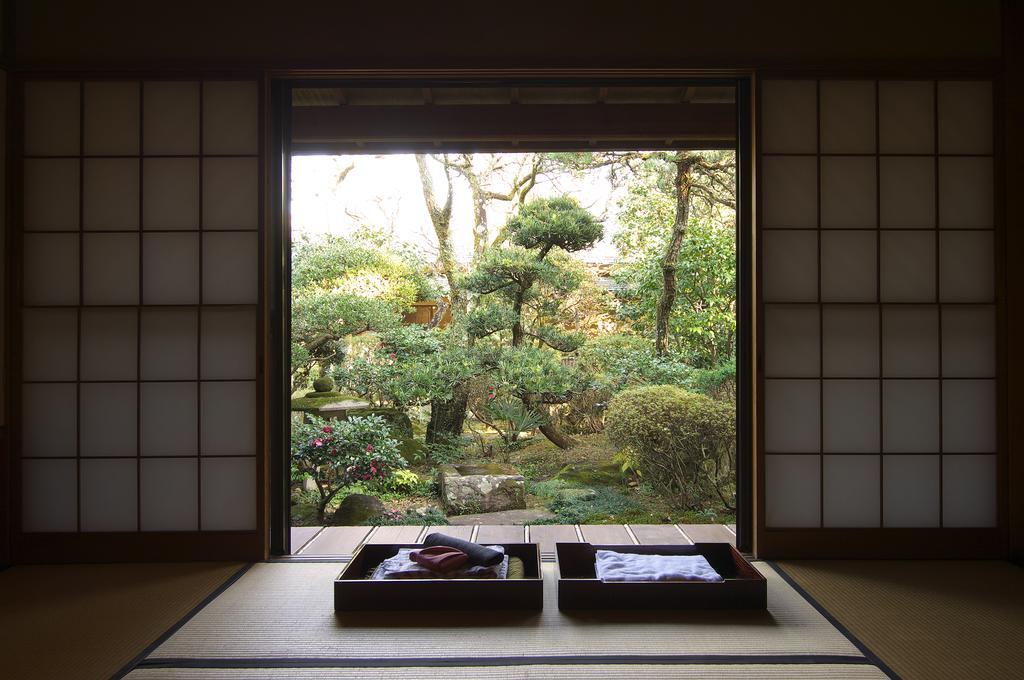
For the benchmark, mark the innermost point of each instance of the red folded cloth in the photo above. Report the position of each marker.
(440, 558)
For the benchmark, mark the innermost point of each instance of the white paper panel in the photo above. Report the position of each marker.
(48, 419)
(49, 344)
(110, 269)
(230, 268)
(228, 418)
(907, 187)
(230, 193)
(910, 341)
(51, 194)
(790, 261)
(852, 486)
(965, 117)
(230, 117)
(109, 345)
(848, 116)
(792, 416)
(169, 415)
(906, 111)
(966, 266)
(109, 418)
(966, 193)
(910, 416)
(111, 118)
(228, 349)
(969, 491)
(848, 192)
(52, 118)
(790, 191)
(792, 341)
(968, 416)
(171, 115)
(111, 194)
(170, 268)
(170, 494)
(908, 266)
(170, 344)
(228, 494)
(49, 495)
(792, 491)
(170, 198)
(109, 495)
(789, 116)
(910, 491)
(848, 266)
(968, 342)
(50, 269)
(851, 416)
(850, 341)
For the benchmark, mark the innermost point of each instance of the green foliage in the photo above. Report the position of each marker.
(511, 419)
(446, 449)
(403, 483)
(337, 453)
(431, 517)
(535, 373)
(560, 222)
(607, 504)
(342, 285)
(682, 443)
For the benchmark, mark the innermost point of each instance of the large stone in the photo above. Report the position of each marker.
(589, 474)
(481, 488)
(357, 508)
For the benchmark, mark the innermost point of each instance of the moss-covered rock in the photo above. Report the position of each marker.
(356, 509)
(589, 474)
(324, 384)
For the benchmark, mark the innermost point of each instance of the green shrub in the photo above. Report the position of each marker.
(682, 443)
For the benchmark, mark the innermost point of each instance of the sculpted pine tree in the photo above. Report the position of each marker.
(521, 285)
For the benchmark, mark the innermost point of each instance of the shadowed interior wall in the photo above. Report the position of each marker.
(140, 284)
(879, 284)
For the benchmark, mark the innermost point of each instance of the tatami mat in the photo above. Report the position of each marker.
(88, 621)
(539, 672)
(934, 619)
(285, 611)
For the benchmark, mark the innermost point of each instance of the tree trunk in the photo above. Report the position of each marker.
(447, 417)
(553, 433)
(670, 260)
(441, 217)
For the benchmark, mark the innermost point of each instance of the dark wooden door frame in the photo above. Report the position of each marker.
(278, 275)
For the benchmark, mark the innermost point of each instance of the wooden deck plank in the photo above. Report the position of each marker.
(606, 534)
(396, 534)
(336, 541)
(490, 533)
(546, 535)
(463, 532)
(708, 533)
(300, 536)
(658, 534)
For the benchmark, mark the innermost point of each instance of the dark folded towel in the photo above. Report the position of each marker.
(478, 554)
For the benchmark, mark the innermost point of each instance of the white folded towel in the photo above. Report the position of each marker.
(616, 566)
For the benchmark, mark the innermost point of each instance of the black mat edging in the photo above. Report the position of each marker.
(865, 650)
(130, 666)
(471, 661)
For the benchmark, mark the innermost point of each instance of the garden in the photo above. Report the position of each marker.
(529, 338)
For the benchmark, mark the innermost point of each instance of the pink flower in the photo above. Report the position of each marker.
(369, 448)
(328, 429)
(392, 355)
(318, 442)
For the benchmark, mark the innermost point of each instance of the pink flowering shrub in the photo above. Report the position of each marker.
(336, 453)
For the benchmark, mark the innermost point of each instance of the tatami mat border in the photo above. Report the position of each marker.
(130, 666)
(871, 656)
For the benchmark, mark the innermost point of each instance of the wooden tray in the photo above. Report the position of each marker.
(579, 588)
(353, 592)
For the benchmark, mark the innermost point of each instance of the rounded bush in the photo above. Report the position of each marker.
(682, 443)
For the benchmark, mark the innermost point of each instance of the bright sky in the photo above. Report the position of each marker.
(384, 191)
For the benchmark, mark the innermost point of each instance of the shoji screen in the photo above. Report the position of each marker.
(140, 261)
(879, 315)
